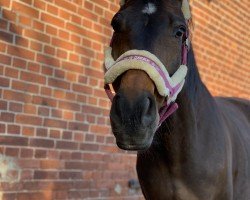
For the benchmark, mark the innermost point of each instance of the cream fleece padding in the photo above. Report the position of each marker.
(186, 9)
(109, 60)
(116, 68)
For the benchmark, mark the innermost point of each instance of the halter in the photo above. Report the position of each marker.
(172, 86)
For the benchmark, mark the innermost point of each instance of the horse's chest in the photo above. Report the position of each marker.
(182, 192)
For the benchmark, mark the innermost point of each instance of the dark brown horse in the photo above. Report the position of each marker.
(200, 152)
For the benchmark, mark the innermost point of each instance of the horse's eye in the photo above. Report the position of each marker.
(180, 31)
(116, 22)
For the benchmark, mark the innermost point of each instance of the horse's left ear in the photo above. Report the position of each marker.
(186, 9)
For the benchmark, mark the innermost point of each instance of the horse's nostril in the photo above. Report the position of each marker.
(116, 102)
(148, 111)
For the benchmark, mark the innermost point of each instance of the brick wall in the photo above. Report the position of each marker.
(55, 140)
(221, 40)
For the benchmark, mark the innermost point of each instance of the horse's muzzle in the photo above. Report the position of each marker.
(134, 120)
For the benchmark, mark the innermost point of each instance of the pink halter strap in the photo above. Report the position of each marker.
(167, 109)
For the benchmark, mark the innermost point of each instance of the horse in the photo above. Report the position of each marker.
(202, 150)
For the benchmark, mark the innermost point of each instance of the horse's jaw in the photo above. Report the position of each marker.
(129, 140)
(134, 147)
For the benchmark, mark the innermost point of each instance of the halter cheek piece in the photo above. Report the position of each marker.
(168, 87)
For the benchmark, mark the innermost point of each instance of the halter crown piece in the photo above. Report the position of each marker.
(168, 87)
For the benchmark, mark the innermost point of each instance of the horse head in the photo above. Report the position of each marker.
(145, 66)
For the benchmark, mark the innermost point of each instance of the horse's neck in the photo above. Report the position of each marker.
(196, 105)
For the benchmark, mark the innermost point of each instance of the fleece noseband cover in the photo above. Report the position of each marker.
(143, 60)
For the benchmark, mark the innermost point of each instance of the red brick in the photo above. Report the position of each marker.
(42, 111)
(40, 153)
(11, 72)
(9, 15)
(62, 44)
(67, 135)
(50, 164)
(89, 138)
(33, 67)
(26, 175)
(76, 156)
(61, 53)
(37, 35)
(68, 115)
(78, 137)
(49, 50)
(45, 175)
(28, 131)
(83, 89)
(16, 96)
(8, 196)
(78, 126)
(32, 77)
(55, 123)
(30, 11)
(53, 154)
(13, 141)
(25, 87)
(66, 4)
(79, 194)
(14, 152)
(40, 4)
(89, 147)
(41, 132)
(19, 63)
(51, 30)
(4, 82)
(66, 145)
(3, 25)
(70, 175)
(47, 70)
(46, 91)
(25, 20)
(41, 143)
(3, 105)
(64, 35)
(52, 9)
(52, 20)
(65, 155)
(58, 83)
(72, 67)
(44, 101)
(26, 153)
(56, 113)
(48, 60)
(20, 41)
(7, 37)
(28, 119)
(7, 117)
(5, 59)
(13, 129)
(88, 5)
(21, 52)
(37, 46)
(69, 106)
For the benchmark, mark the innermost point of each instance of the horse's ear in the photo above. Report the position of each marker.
(186, 9)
